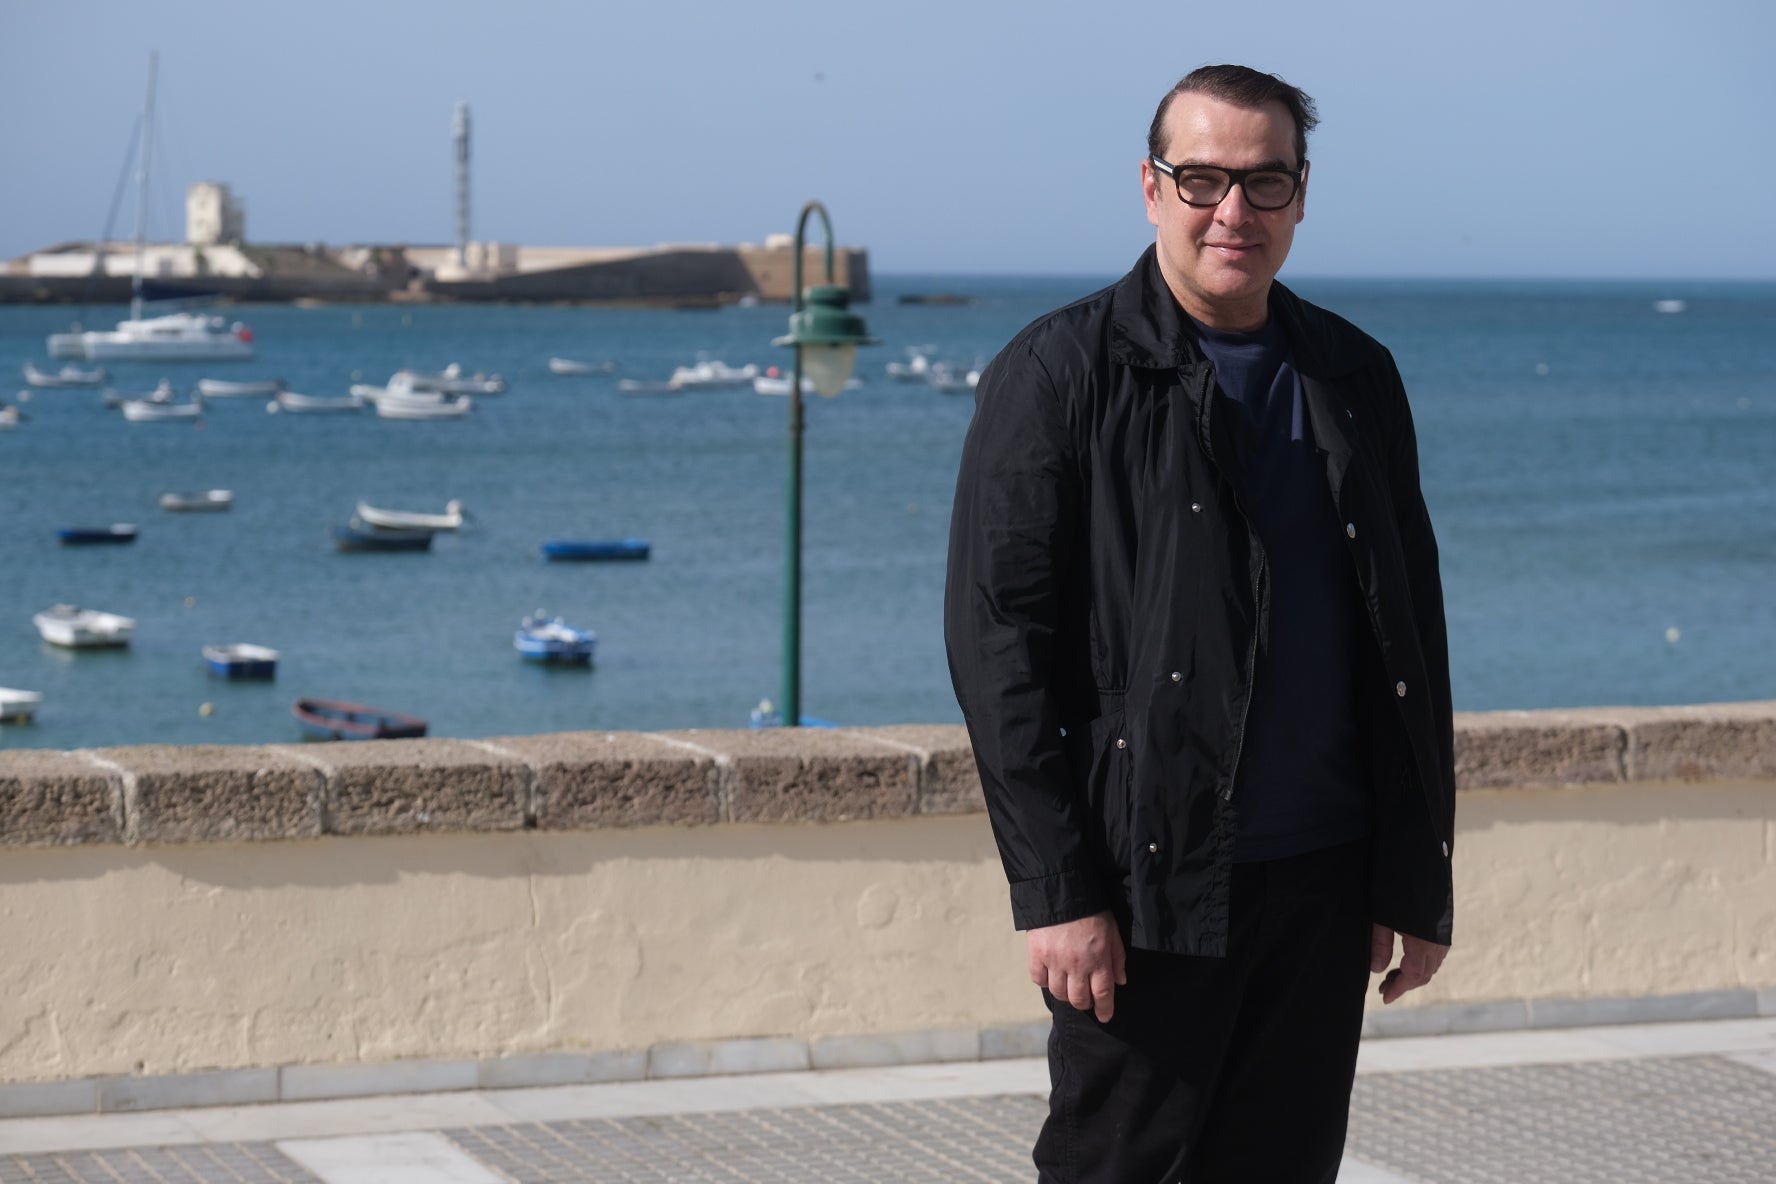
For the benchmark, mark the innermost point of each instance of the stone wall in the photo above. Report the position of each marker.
(234, 924)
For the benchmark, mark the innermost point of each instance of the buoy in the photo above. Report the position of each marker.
(191, 602)
(207, 709)
(1672, 635)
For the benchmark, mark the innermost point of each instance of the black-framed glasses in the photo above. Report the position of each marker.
(1207, 185)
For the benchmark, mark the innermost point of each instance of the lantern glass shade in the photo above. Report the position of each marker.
(828, 367)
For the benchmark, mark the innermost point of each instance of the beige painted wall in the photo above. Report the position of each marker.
(170, 959)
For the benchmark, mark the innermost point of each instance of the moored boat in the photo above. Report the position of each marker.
(450, 519)
(450, 381)
(219, 388)
(544, 638)
(9, 418)
(713, 375)
(17, 707)
(241, 661)
(397, 406)
(83, 628)
(570, 366)
(331, 719)
(66, 376)
(358, 535)
(592, 549)
(298, 404)
(80, 536)
(208, 501)
(174, 337)
(154, 411)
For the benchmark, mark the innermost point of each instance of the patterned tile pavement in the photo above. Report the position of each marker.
(1694, 1119)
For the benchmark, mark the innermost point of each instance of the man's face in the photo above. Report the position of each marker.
(1219, 262)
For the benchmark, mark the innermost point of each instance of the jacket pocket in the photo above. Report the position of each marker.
(1099, 754)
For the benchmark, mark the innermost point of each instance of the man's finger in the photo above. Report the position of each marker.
(1103, 991)
(1119, 963)
(1038, 967)
(1381, 948)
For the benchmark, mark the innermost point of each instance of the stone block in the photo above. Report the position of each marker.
(299, 1083)
(1732, 1004)
(224, 1087)
(1512, 749)
(212, 793)
(1014, 1040)
(896, 1048)
(1766, 1001)
(50, 798)
(714, 1058)
(561, 1068)
(1438, 1019)
(949, 783)
(40, 1099)
(1712, 741)
(808, 775)
(384, 787)
(586, 780)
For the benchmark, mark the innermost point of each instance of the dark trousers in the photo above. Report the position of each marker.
(1223, 1069)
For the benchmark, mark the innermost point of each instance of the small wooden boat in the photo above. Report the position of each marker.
(83, 628)
(241, 661)
(550, 639)
(153, 411)
(358, 535)
(450, 519)
(65, 377)
(163, 393)
(17, 707)
(396, 406)
(80, 536)
(296, 404)
(209, 501)
(330, 719)
(221, 388)
(713, 375)
(569, 366)
(591, 549)
(450, 381)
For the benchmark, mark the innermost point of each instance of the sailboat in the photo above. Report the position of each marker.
(173, 337)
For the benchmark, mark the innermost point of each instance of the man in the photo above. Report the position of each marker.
(1195, 624)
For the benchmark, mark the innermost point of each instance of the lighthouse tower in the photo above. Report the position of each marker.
(460, 133)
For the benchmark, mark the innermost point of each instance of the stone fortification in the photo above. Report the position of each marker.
(205, 924)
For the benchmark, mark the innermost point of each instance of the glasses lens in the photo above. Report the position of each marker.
(1270, 191)
(1202, 186)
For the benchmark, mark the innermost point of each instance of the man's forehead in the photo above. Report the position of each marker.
(1203, 119)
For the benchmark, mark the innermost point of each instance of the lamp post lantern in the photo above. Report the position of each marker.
(825, 334)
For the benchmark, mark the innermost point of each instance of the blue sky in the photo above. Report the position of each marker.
(1590, 138)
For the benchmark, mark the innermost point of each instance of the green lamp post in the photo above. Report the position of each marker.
(825, 334)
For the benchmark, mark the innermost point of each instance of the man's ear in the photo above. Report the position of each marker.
(1150, 189)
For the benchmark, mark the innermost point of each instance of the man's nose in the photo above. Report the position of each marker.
(1234, 210)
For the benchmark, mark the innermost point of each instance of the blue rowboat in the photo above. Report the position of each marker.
(550, 639)
(241, 661)
(585, 549)
(76, 536)
(356, 536)
(329, 719)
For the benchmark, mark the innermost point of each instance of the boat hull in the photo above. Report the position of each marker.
(212, 501)
(241, 661)
(121, 347)
(348, 538)
(331, 719)
(86, 536)
(17, 707)
(84, 629)
(594, 550)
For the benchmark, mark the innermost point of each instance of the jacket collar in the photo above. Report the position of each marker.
(1149, 330)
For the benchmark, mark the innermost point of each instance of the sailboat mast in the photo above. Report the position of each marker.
(142, 188)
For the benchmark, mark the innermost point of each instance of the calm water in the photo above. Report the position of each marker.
(1599, 473)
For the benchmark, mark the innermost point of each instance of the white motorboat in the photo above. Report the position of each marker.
(162, 393)
(17, 707)
(156, 411)
(208, 501)
(569, 366)
(710, 375)
(298, 404)
(179, 336)
(947, 380)
(83, 628)
(779, 384)
(917, 367)
(9, 418)
(635, 386)
(396, 406)
(449, 381)
(219, 388)
(450, 519)
(550, 639)
(66, 376)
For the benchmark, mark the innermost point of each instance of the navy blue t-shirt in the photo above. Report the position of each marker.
(1300, 786)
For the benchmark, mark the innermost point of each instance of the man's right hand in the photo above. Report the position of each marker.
(1080, 961)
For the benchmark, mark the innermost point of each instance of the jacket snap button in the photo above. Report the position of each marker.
(1196, 507)
(1400, 689)
(1153, 848)
(1350, 530)
(1445, 850)
(1177, 676)
(1121, 743)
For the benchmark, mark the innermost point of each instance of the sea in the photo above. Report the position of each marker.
(1602, 476)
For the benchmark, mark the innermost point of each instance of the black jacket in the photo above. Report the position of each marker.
(1105, 599)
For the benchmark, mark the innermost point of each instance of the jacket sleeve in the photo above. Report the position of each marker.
(1426, 589)
(1016, 531)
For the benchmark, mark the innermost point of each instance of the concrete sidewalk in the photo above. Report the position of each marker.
(1692, 1103)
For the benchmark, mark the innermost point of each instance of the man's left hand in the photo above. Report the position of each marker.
(1419, 960)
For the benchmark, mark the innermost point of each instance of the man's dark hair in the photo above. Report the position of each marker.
(1243, 87)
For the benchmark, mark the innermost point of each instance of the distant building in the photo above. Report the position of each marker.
(212, 215)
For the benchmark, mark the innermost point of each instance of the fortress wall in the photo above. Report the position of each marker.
(235, 924)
